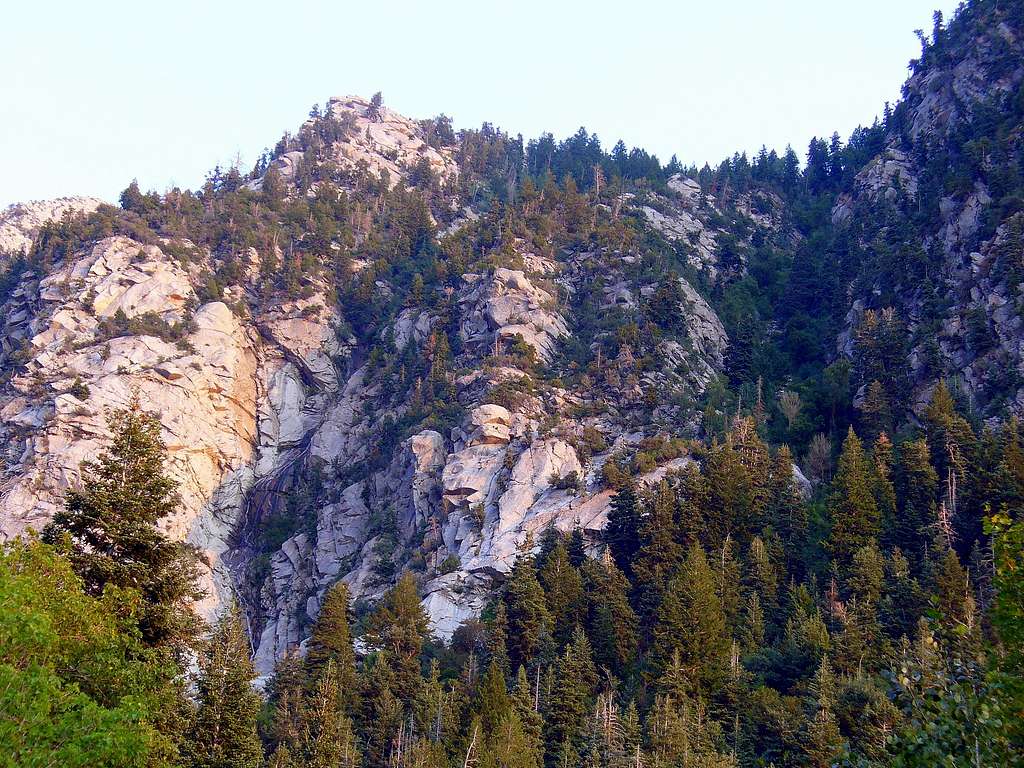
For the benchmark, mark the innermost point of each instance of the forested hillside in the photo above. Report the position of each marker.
(424, 447)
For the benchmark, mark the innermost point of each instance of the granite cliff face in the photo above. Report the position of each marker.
(207, 386)
(256, 397)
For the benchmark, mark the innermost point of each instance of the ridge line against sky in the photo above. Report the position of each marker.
(98, 94)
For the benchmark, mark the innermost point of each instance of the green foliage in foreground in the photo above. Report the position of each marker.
(77, 685)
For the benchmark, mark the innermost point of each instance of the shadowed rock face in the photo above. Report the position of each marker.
(968, 239)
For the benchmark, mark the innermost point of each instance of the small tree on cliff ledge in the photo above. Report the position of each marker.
(109, 527)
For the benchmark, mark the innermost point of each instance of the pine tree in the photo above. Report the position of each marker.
(508, 745)
(549, 538)
(876, 413)
(692, 506)
(416, 291)
(681, 733)
(523, 701)
(866, 576)
(692, 623)
(917, 488)
(731, 502)
(564, 589)
(380, 710)
(281, 757)
(660, 554)
(902, 599)
(728, 582)
(110, 526)
(753, 630)
(622, 533)
(528, 619)
(566, 712)
(611, 621)
(787, 510)
(954, 448)
(497, 638)
(762, 578)
(883, 489)
(756, 462)
(576, 546)
(861, 646)
(331, 641)
(852, 506)
(492, 699)
(613, 733)
(438, 710)
(223, 732)
(286, 701)
(330, 740)
(399, 628)
(824, 742)
(953, 595)
(1011, 470)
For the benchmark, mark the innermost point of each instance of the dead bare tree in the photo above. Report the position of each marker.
(790, 405)
(470, 756)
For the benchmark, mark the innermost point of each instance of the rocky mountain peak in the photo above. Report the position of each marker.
(354, 134)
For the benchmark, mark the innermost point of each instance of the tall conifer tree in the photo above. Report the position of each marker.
(110, 523)
(331, 641)
(223, 733)
(330, 741)
(622, 534)
(692, 624)
(529, 622)
(852, 505)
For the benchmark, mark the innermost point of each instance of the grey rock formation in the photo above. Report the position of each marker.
(262, 403)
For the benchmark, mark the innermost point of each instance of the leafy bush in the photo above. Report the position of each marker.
(73, 668)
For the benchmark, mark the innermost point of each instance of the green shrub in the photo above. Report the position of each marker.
(79, 389)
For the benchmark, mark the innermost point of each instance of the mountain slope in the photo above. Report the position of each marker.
(266, 395)
(395, 347)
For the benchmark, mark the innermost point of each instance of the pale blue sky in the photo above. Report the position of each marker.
(96, 93)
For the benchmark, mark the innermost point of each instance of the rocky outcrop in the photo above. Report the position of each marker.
(700, 356)
(681, 218)
(21, 222)
(942, 95)
(983, 338)
(376, 139)
(968, 329)
(506, 306)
